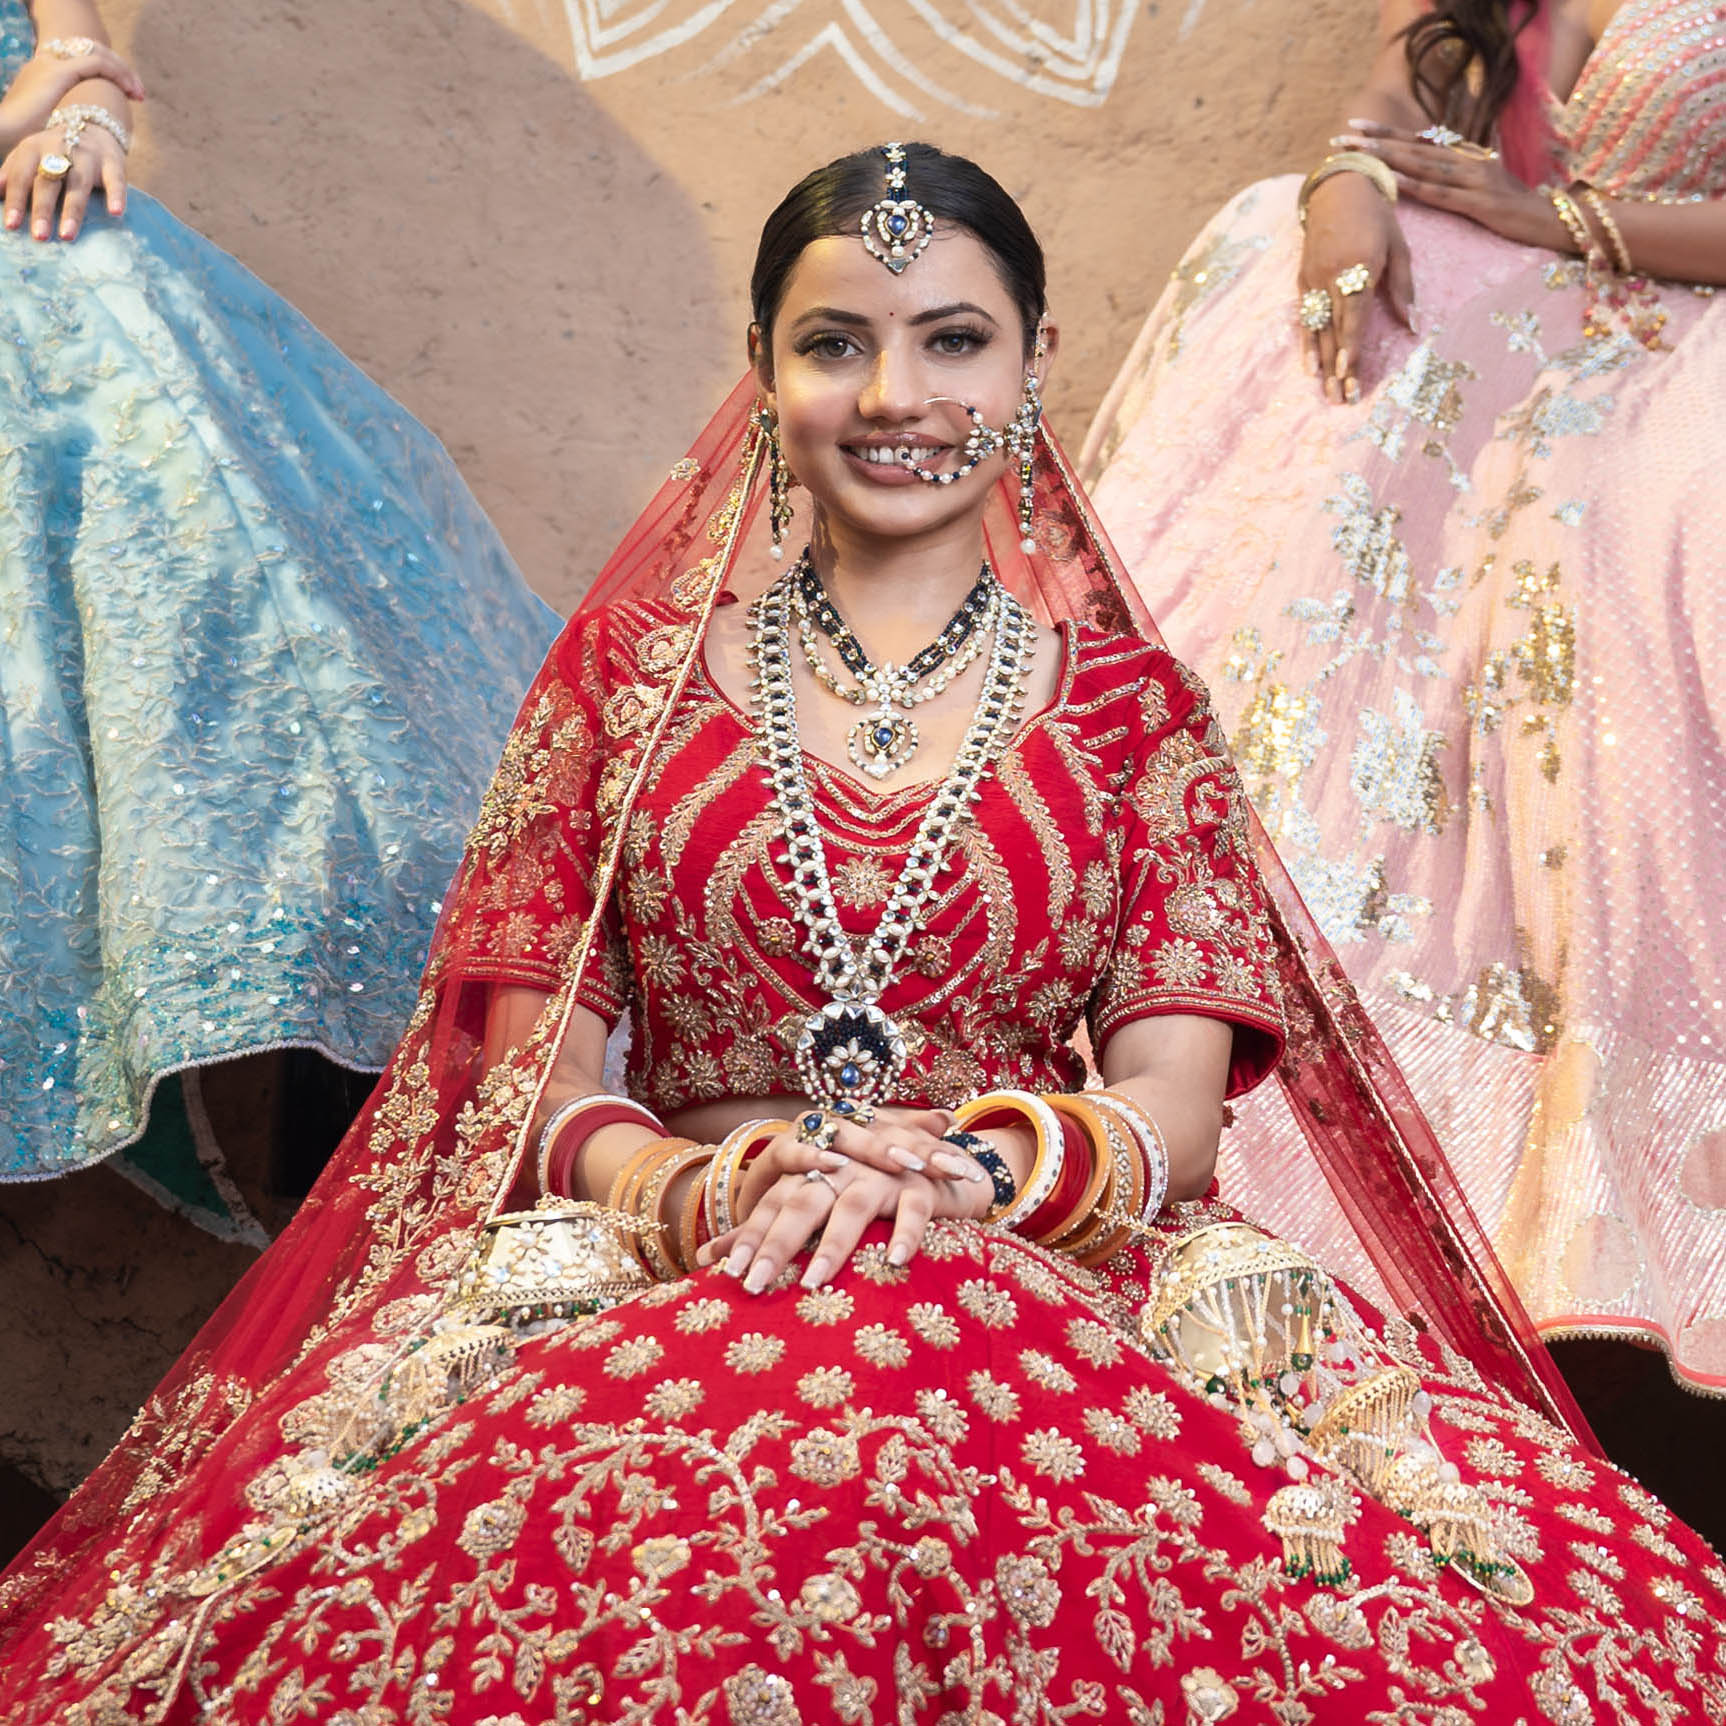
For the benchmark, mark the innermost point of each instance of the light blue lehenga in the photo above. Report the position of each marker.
(259, 648)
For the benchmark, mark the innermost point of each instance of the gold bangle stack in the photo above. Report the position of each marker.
(1347, 162)
(1572, 219)
(1609, 227)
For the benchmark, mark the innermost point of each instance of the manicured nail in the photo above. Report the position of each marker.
(1362, 125)
(898, 1254)
(832, 1159)
(14, 218)
(818, 1272)
(898, 1154)
(40, 230)
(1351, 390)
(1346, 141)
(68, 230)
(951, 1163)
(1343, 356)
(760, 1275)
(738, 1263)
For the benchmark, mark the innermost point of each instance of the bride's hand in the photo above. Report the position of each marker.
(1350, 226)
(794, 1190)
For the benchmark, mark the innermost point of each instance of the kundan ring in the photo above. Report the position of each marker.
(1314, 310)
(54, 166)
(818, 1128)
(1356, 279)
(1446, 139)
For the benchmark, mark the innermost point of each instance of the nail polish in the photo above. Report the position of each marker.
(738, 1263)
(905, 1160)
(898, 1254)
(760, 1275)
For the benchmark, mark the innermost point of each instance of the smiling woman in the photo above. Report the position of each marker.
(872, 1357)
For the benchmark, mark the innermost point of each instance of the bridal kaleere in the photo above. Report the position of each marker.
(859, 1342)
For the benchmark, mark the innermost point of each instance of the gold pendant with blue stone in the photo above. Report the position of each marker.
(882, 742)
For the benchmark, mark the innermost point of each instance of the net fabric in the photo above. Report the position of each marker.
(437, 1148)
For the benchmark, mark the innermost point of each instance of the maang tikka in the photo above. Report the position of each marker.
(897, 228)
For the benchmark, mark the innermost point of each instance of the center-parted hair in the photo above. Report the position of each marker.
(832, 200)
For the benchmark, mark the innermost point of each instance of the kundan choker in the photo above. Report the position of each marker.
(849, 1053)
(882, 742)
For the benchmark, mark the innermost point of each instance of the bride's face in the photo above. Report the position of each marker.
(858, 352)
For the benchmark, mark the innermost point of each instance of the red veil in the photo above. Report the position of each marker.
(371, 1254)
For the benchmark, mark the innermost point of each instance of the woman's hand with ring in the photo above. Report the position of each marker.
(1464, 179)
(868, 1173)
(1349, 225)
(97, 160)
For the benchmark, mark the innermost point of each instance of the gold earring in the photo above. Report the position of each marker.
(778, 481)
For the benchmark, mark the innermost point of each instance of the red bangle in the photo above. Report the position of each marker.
(560, 1157)
(1077, 1168)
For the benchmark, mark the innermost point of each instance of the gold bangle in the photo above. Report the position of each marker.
(1347, 162)
(657, 1235)
(725, 1177)
(1609, 226)
(1571, 217)
(1151, 1144)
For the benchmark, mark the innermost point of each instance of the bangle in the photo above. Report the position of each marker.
(1571, 217)
(691, 1228)
(1346, 162)
(1081, 1219)
(657, 1235)
(1609, 226)
(1139, 1121)
(559, 1147)
(725, 1177)
(1020, 1108)
(81, 114)
(69, 47)
(1000, 1176)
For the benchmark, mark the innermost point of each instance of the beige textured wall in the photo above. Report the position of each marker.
(532, 220)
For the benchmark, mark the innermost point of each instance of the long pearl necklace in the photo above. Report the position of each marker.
(884, 741)
(850, 1053)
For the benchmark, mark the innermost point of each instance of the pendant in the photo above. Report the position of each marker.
(882, 742)
(850, 1056)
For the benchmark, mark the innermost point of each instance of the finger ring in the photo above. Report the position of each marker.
(1356, 279)
(1313, 311)
(1442, 136)
(54, 166)
(818, 1128)
(820, 1175)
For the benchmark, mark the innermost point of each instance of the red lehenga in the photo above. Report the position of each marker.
(966, 1490)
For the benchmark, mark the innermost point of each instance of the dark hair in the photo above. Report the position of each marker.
(1462, 62)
(832, 201)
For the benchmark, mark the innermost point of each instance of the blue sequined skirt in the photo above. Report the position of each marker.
(259, 649)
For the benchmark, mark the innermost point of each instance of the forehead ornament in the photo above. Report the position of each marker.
(897, 228)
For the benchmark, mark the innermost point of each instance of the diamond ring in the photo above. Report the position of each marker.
(1356, 279)
(1313, 310)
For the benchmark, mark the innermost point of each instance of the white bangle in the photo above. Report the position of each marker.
(81, 114)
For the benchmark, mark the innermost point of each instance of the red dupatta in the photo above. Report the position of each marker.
(372, 1253)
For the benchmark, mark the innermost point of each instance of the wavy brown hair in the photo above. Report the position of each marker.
(1462, 62)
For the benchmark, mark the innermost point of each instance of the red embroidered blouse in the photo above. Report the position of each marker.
(1106, 876)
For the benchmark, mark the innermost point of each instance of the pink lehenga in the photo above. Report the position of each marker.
(1466, 639)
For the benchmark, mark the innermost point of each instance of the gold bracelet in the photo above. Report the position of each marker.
(1571, 217)
(1614, 235)
(1347, 162)
(657, 1235)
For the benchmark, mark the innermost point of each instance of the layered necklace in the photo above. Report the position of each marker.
(884, 741)
(849, 1053)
